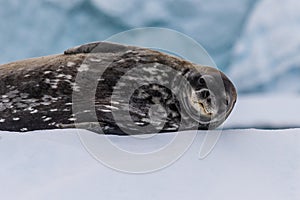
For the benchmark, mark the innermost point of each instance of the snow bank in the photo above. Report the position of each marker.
(245, 164)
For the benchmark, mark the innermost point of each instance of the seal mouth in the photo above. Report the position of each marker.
(203, 108)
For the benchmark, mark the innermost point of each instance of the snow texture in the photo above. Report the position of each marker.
(245, 164)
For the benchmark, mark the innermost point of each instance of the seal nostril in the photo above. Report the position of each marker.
(204, 94)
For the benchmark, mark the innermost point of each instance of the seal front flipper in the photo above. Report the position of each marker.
(94, 127)
(98, 47)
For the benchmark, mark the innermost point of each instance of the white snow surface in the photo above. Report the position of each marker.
(245, 163)
(267, 111)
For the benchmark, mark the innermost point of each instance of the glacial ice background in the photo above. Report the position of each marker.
(255, 42)
(42, 27)
(266, 57)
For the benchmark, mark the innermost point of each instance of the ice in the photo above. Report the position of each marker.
(255, 42)
(266, 58)
(212, 23)
(43, 27)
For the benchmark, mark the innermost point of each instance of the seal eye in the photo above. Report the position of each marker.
(201, 81)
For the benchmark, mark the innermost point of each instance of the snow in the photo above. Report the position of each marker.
(244, 164)
(265, 111)
(266, 57)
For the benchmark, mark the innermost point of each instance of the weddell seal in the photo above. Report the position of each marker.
(116, 88)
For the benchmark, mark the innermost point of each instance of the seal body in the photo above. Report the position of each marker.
(114, 89)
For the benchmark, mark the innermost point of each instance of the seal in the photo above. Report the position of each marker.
(137, 91)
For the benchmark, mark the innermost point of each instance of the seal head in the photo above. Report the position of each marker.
(210, 98)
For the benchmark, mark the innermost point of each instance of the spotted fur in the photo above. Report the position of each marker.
(37, 93)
